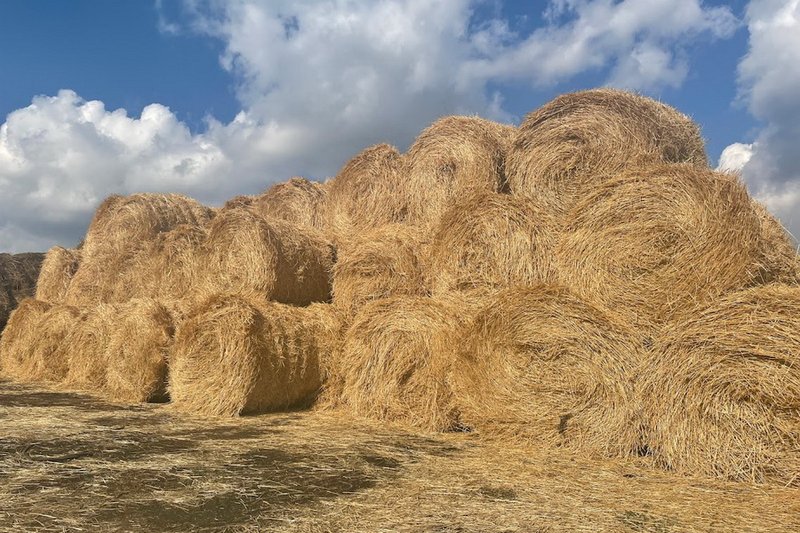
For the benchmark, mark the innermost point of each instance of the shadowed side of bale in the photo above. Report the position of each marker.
(654, 242)
(721, 392)
(384, 262)
(236, 356)
(297, 201)
(121, 223)
(394, 362)
(18, 334)
(87, 346)
(137, 350)
(246, 252)
(451, 157)
(58, 268)
(491, 240)
(583, 138)
(18, 273)
(366, 193)
(542, 366)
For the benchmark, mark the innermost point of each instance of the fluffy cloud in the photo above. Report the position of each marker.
(317, 82)
(769, 77)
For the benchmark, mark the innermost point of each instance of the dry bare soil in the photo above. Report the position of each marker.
(70, 462)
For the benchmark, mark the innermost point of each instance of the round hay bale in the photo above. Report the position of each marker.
(46, 354)
(137, 350)
(123, 223)
(87, 348)
(394, 361)
(246, 252)
(655, 242)
(383, 262)
(58, 268)
(366, 193)
(721, 392)
(581, 139)
(237, 202)
(236, 356)
(20, 332)
(451, 157)
(542, 366)
(297, 201)
(488, 239)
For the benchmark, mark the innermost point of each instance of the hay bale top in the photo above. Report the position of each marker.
(58, 268)
(656, 241)
(721, 391)
(781, 249)
(454, 155)
(539, 364)
(582, 138)
(247, 252)
(123, 223)
(297, 200)
(488, 239)
(366, 193)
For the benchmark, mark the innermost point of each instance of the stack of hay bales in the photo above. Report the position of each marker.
(18, 273)
(583, 282)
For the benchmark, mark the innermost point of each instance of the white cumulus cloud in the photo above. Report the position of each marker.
(317, 82)
(769, 80)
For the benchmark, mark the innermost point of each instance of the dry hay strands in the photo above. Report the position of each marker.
(488, 239)
(137, 352)
(297, 201)
(18, 275)
(394, 362)
(105, 278)
(87, 348)
(366, 193)
(246, 252)
(543, 367)
(20, 332)
(123, 223)
(383, 262)
(7, 305)
(781, 250)
(654, 242)
(581, 138)
(58, 268)
(721, 393)
(236, 355)
(451, 157)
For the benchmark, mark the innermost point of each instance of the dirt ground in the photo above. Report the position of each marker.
(71, 462)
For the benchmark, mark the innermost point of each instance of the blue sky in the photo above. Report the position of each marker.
(223, 98)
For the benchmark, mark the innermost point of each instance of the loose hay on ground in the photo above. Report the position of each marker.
(236, 356)
(654, 242)
(383, 262)
(248, 253)
(451, 157)
(489, 239)
(583, 138)
(721, 391)
(58, 268)
(543, 367)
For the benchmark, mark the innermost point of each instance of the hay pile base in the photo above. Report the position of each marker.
(451, 157)
(235, 356)
(580, 139)
(394, 362)
(18, 335)
(137, 352)
(721, 392)
(654, 242)
(384, 262)
(86, 347)
(491, 240)
(248, 253)
(58, 268)
(541, 366)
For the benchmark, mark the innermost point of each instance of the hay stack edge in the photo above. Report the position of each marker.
(583, 282)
